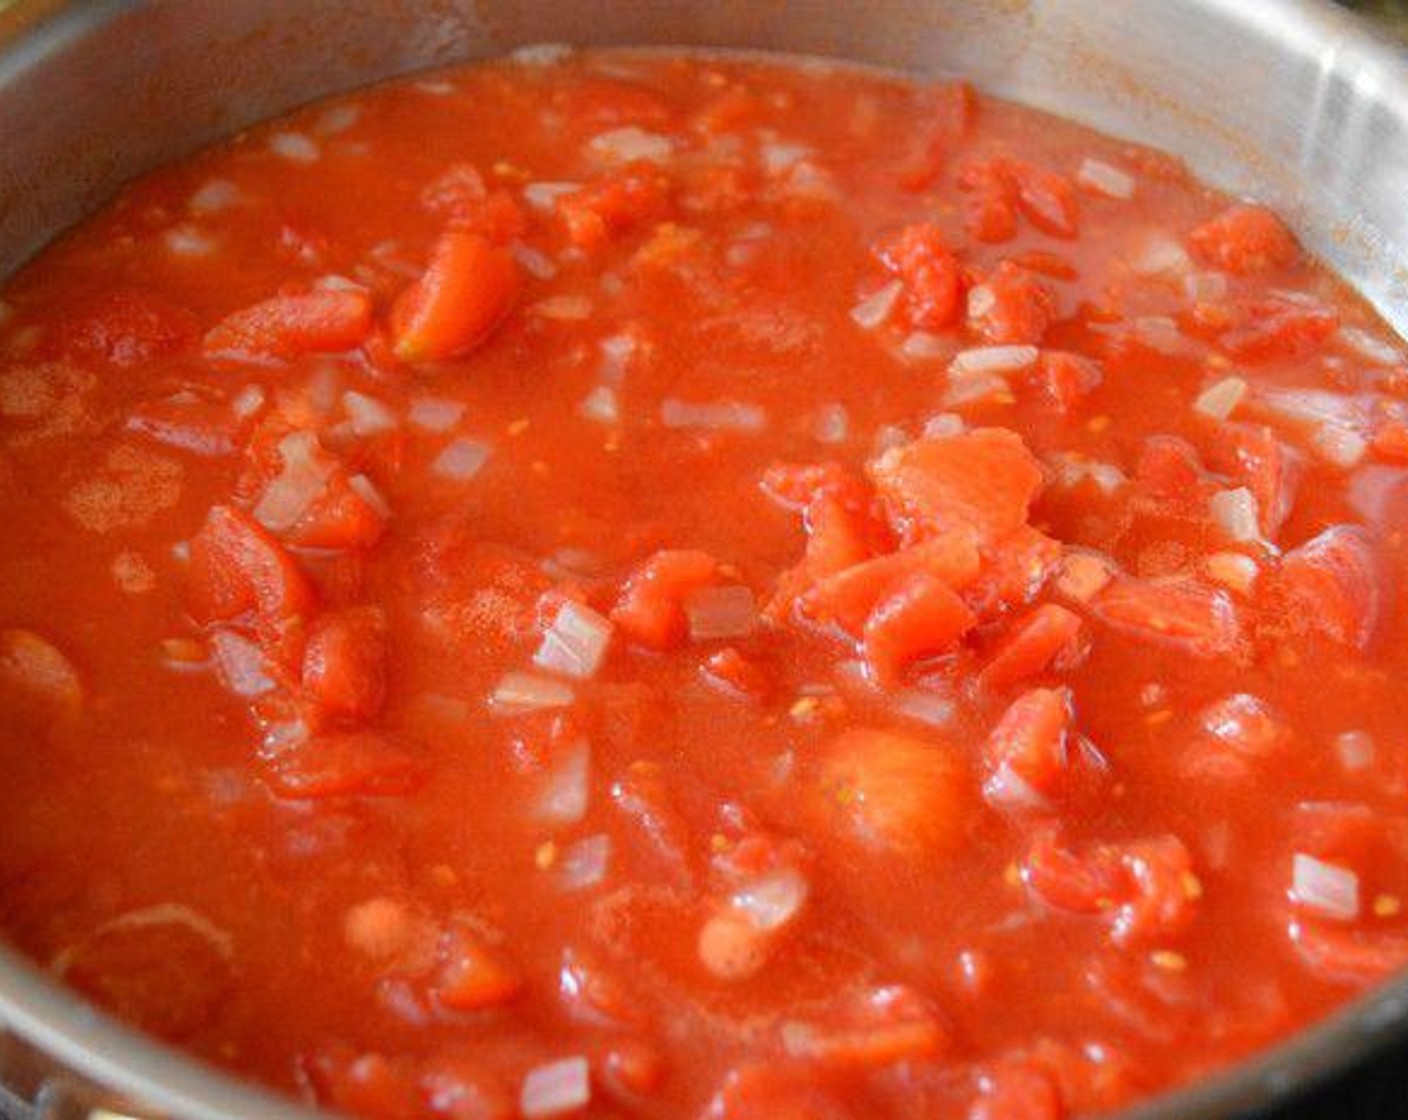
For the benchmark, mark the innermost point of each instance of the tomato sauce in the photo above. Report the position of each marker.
(661, 586)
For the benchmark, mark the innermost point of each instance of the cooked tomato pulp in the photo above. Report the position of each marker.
(647, 585)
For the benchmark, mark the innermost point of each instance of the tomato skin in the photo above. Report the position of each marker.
(650, 610)
(467, 289)
(1030, 646)
(239, 569)
(932, 276)
(316, 322)
(344, 663)
(1245, 239)
(1334, 585)
(920, 617)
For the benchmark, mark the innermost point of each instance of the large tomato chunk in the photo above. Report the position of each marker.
(932, 276)
(921, 617)
(1176, 612)
(1253, 456)
(466, 290)
(980, 482)
(238, 569)
(1334, 584)
(1026, 752)
(895, 793)
(317, 322)
(848, 597)
(1033, 643)
(1245, 238)
(650, 610)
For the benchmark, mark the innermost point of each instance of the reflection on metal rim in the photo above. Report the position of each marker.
(1293, 97)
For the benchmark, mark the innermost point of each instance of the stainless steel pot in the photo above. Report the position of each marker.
(1291, 99)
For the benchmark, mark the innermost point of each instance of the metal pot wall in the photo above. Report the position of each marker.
(1289, 98)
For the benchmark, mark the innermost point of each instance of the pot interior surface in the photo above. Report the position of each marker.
(1287, 99)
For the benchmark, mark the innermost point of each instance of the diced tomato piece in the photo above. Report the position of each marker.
(946, 113)
(369, 1085)
(1390, 434)
(772, 1092)
(633, 1069)
(737, 675)
(798, 485)
(201, 427)
(645, 796)
(895, 793)
(1171, 472)
(869, 1029)
(1029, 744)
(1234, 733)
(346, 764)
(316, 322)
(980, 482)
(341, 517)
(126, 327)
(848, 597)
(1177, 612)
(839, 536)
(1254, 457)
(1016, 569)
(344, 663)
(1017, 1091)
(238, 569)
(1146, 887)
(1032, 644)
(1334, 585)
(650, 610)
(467, 289)
(460, 197)
(990, 203)
(1020, 309)
(1244, 239)
(919, 617)
(931, 272)
(594, 993)
(473, 974)
(613, 205)
(1067, 379)
(1270, 328)
(1354, 956)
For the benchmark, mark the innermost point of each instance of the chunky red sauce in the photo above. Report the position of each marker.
(659, 587)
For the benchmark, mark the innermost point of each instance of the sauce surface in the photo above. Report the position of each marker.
(649, 586)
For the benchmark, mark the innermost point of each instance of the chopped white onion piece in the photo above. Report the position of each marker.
(923, 346)
(216, 195)
(888, 437)
(534, 263)
(542, 54)
(993, 359)
(566, 788)
(773, 899)
(1235, 513)
(584, 864)
(1158, 255)
(187, 241)
(1312, 406)
(981, 300)
(1367, 346)
(1343, 447)
(1102, 178)
(778, 156)
(1220, 400)
(717, 416)
(333, 282)
(297, 486)
(520, 693)
(721, 612)
(365, 489)
(923, 706)
(831, 424)
(626, 145)
(1205, 287)
(1233, 570)
(1084, 575)
(432, 414)
(338, 119)
(875, 308)
(1328, 889)
(942, 425)
(556, 1089)
(1158, 332)
(436, 87)
(294, 147)
(1007, 789)
(241, 664)
(461, 459)
(1074, 469)
(602, 405)
(617, 352)
(247, 402)
(544, 196)
(576, 642)
(368, 415)
(564, 308)
(1355, 750)
(975, 388)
